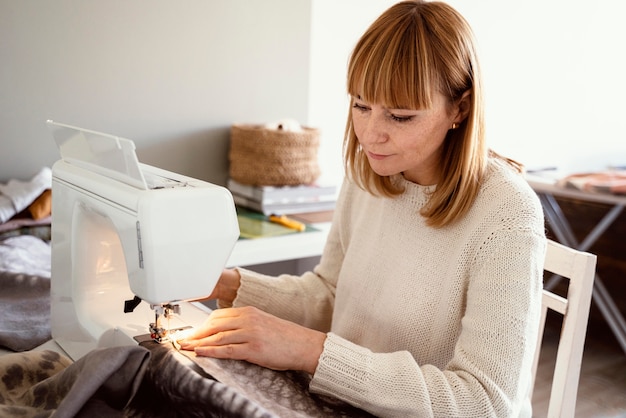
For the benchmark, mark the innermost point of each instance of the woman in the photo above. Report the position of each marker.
(426, 299)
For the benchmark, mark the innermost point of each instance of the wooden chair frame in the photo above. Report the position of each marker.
(579, 268)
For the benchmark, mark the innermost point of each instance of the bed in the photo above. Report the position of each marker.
(144, 380)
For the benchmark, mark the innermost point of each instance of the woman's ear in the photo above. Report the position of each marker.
(463, 107)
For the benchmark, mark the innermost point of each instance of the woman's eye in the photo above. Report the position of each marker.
(397, 118)
(360, 107)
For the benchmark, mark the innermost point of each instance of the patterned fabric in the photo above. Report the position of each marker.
(21, 373)
(175, 387)
(153, 380)
(284, 393)
(44, 383)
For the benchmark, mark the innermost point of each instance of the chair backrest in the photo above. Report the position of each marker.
(579, 268)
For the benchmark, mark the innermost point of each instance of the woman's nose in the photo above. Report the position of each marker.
(374, 130)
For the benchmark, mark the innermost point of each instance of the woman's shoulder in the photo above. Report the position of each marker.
(500, 177)
(505, 187)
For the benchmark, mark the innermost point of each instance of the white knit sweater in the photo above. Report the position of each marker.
(422, 321)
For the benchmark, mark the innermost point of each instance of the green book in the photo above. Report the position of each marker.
(256, 225)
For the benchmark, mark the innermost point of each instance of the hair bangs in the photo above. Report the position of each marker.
(393, 68)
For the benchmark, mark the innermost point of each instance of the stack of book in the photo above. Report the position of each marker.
(284, 200)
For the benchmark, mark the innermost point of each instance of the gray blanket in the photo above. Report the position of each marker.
(25, 292)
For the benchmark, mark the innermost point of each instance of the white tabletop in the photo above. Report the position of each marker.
(280, 248)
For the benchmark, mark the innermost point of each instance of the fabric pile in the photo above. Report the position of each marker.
(26, 206)
(17, 195)
(151, 380)
(25, 256)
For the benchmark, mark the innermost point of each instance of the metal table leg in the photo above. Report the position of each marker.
(564, 234)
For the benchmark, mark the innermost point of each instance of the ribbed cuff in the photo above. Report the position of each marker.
(343, 369)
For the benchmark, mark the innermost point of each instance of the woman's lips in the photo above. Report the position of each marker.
(375, 156)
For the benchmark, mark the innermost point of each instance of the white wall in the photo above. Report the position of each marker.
(335, 28)
(554, 72)
(172, 76)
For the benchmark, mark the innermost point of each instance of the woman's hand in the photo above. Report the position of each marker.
(250, 334)
(227, 286)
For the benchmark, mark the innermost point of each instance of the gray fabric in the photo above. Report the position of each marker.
(184, 388)
(25, 292)
(115, 382)
(175, 387)
(152, 380)
(25, 225)
(284, 393)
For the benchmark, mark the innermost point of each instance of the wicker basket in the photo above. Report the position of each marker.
(262, 156)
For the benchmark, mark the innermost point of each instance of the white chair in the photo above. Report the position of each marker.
(579, 268)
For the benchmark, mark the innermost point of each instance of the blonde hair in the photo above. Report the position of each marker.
(410, 52)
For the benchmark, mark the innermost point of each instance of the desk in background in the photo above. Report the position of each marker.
(548, 191)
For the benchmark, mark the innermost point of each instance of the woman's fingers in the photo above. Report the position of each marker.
(258, 337)
(228, 333)
(214, 329)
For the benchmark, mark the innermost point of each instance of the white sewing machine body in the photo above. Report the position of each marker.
(114, 238)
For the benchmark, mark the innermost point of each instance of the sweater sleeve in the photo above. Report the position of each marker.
(306, 300)
(489, 374)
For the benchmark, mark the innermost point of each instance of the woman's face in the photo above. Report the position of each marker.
(404, 140)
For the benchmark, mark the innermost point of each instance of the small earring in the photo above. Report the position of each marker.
(455, 125)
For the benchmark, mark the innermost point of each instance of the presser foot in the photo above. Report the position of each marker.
(161, 334)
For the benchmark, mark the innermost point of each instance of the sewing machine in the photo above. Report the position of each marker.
(132, 245)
